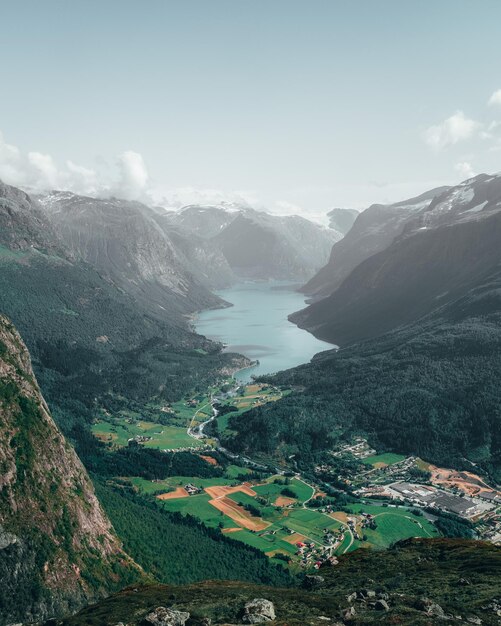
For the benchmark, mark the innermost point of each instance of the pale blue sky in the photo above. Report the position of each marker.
(317, 103)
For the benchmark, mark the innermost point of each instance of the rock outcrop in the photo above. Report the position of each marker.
(258, 611)
(57, 548)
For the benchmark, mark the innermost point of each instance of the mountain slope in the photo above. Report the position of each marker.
(90, 341)
(342, 219)
(421, 326)
(57, 548)
(445, 249)
(373, 230)
(133, 247)
(258, 245)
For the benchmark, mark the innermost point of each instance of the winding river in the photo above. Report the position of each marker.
(257, 326)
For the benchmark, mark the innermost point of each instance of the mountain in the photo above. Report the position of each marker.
(91, 340)
(373, 230)
(257, 245)
(444, 250)
(57, 547)
(206, 221)
(342, 219)
(417, 582)
(420, 328)
(132, 246)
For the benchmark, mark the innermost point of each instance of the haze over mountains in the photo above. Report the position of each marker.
(258, 245)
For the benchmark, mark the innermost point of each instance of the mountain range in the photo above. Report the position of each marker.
(102, 291)
(257, 245)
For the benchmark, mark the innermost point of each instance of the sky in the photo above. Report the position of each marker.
(296, 106)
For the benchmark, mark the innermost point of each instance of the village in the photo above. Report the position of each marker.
(413, 482)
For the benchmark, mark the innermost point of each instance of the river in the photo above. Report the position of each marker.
(257, 326)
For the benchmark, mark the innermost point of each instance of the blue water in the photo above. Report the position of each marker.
(257, 326)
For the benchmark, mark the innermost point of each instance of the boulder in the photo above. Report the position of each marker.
(313, 582)
(432, 608)
(381, 605)
(352, 597)
(348, 614)
(258, 611)
(167, 617)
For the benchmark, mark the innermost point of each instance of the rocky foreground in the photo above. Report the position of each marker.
(416, 582)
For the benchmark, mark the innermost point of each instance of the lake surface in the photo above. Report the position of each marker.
(257, 326)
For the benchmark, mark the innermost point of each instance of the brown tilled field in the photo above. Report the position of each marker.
(238, 514)
(223, 491)
(180, 492)
(284, 501)
(340, 516)
(209, 459)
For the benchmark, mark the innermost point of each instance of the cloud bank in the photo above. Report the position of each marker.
(454, 129)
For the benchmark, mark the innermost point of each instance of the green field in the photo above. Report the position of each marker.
(199, 506)
(173, 482)
(393, 524)
(178, 416)
(118, 431)
(388, 458)
(273, 490)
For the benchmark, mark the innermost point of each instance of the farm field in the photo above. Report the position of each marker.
(249, 513)
(170, 431)
(380, 460)
(393, 524)
(118, 432)
(267, 527)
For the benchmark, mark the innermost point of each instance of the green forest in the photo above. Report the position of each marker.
(430, 389)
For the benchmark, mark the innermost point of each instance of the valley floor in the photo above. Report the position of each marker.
(295, 519)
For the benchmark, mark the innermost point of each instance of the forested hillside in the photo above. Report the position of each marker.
(430, 388)
(179, 549)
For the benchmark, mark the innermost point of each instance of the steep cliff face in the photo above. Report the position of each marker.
(131, 245)
(57, 548)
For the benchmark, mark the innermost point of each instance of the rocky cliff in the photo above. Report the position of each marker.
(57, 548)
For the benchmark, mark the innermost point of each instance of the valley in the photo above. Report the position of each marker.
(301, 513)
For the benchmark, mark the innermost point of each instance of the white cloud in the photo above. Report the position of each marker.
(38, 172)
(495, 99)
(46, 172)
(133, 175)
(465, 170)
(183, 196)
(454, 129)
